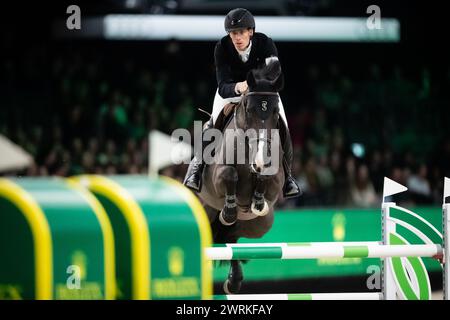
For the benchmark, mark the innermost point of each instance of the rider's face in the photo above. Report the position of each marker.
(241, 38)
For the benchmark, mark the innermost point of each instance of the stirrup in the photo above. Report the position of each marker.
(191, 184)
(193, 178)
(295, 190)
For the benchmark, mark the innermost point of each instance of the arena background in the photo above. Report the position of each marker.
(357, 111)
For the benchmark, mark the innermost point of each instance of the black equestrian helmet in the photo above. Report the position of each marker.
(239, 18)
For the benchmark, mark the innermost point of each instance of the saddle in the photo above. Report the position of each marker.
(225, 116)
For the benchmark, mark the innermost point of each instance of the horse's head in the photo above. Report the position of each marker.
(261, 102)
(259, 107)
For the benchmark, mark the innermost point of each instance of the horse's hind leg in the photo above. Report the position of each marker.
(235, 277)
(229, 177)
(224, 234)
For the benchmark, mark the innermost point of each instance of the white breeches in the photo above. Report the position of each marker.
(219, 103)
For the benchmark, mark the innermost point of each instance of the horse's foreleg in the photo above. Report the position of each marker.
(259, 204)
(228, 215)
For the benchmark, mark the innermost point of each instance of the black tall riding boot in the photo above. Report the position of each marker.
(193, 178)
(290, 188)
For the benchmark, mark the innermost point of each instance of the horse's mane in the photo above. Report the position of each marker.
(267, 78)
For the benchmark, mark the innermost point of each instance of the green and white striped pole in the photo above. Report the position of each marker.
(403, 272)
(319, 250)
(304, 296)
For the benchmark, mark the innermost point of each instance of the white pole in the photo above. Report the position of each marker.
(319, 252)
(286, 244)
(306, 296)
(389, 287)
(390, 187)
(446, 240)
(446, 243)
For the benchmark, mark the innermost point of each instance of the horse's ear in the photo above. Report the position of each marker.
(274, 73)
(251, 81)
(273, 68)
(278, 84)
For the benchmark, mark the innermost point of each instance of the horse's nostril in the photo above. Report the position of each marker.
(255, 168)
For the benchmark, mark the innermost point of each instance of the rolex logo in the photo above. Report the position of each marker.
(176, 261)
(338, 222)
(79, 259)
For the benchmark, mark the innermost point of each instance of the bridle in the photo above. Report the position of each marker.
(243, 104)
(244, 101)
(260, 93)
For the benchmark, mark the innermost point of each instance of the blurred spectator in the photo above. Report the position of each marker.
(362, 192)
(93, 115)
(419, 186)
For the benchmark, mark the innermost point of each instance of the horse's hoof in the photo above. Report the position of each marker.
(230, 287)
(260, 213)
(227, 220)
(225, 287)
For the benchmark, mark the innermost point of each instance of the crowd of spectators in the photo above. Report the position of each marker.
(87, 110)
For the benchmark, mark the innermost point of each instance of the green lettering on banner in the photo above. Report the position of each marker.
(338, 261)
(176, 287)
(88, 291)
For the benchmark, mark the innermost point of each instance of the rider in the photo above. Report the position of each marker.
(235, 55)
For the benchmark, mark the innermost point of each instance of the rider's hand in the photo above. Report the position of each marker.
(241, 87)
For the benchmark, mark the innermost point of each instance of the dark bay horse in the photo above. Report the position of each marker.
(243, 183)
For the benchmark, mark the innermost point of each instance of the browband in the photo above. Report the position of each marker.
(262, 93)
